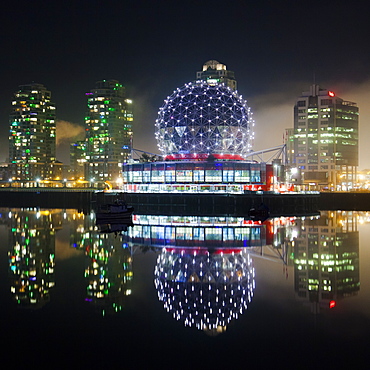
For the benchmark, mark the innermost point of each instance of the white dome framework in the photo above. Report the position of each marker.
(205, 290)
(199, 118)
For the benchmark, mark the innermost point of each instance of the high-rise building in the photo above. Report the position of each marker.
(108, 131)
(214, 72)
(32, 138)
(326, 140)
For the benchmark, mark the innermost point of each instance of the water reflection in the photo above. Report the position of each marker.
(108, 274)
(326, 259)
(205, 288)
(32, 256)
(32, 240)
(204, 273)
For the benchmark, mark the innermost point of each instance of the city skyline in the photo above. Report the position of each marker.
(152, 51)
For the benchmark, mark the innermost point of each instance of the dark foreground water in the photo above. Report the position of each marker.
(184, 292)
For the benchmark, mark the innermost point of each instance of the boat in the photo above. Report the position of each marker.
(117, 211)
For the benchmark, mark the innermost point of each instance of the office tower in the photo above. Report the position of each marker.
(326, 140)
(108, 131)
(32, 134)
(214, 72)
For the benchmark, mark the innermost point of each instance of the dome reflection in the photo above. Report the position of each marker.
(205, 288)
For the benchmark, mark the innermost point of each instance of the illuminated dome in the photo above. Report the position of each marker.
(200, 118)
(202, 289)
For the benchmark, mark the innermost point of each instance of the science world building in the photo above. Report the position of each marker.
(205, 134)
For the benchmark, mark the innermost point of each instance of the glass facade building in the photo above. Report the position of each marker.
(326, 139)
(198, 176)
(32, 138)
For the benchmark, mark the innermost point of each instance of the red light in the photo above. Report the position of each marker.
(331, 93)
(332, 304)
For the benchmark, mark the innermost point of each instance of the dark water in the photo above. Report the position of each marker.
(184, 292)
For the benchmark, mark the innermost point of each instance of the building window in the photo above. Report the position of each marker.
(326, 101)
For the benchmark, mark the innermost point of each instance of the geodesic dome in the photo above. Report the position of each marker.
(202, 118)
(204, 290)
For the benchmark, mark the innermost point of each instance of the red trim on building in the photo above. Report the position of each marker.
(203, 156)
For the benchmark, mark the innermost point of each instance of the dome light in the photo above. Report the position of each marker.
(202, 119)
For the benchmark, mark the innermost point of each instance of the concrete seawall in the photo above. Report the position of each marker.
(222, 204)
(47, 198)
(189, 204)
(344, 201)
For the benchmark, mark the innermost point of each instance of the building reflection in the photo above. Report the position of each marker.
(109, 272)
(32, 255)
(32, 236)
(326, 259)
(205, 287)
(214, 232)
(204, 274)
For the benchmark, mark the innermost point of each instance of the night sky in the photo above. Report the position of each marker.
(277, 49)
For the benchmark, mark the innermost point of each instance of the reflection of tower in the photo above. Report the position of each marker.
(31, 259)
(205, 289)
(83, 230)
(109, 273)
(326, 259)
